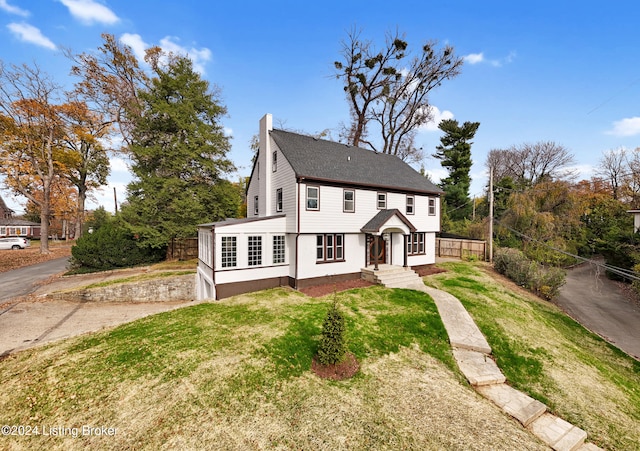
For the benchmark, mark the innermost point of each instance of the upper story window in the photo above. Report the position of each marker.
(274, 162)
(410, 205)
(313, 198)
(279, 199)
(255, 205)
(432, 206)
(228, 251)
(382, 201)
(255, 251)
(349, 205)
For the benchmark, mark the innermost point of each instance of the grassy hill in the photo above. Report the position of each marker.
(235, 375)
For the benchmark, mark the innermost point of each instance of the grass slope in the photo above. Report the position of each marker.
(235, 375)
(548, 355)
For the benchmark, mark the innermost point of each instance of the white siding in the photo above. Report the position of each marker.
(430, 252)
(331, 218)
(205, 249)
(285, 178)
(354, 254)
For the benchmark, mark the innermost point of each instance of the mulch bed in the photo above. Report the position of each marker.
(338, 371)
(323, 290)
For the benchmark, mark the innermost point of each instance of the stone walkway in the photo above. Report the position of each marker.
(473, 355)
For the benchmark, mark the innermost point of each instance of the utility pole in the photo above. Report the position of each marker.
(491, 214)
(115, 199)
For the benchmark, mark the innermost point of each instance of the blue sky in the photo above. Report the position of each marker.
(563, 71)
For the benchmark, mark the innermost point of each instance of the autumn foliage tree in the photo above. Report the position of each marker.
(30, 134)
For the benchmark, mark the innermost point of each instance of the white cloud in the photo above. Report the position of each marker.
(473, 58)
(90, 12)
(477, 58)
(437, 116)
(31, 34)
(136, 43)
(13, 9)
(198, 56)
(626, 127)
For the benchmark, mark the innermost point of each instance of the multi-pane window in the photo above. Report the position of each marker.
(274, 163)
(313, 198)
(255, 205)
(330, 247)
(432, 206)
(415, 244)
(255, 251)
(229, 251)
(410, 204)
(278, 249)
(382, 201)
(349, 201)
(279, 199)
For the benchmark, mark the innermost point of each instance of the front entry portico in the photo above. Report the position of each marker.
(382, 230)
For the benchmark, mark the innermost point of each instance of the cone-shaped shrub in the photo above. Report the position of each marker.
(333, 347)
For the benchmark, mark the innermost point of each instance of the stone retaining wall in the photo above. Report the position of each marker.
(176, 288)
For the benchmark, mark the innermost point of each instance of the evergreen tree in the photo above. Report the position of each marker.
(454, 153)
(333, 346)
(179, 154)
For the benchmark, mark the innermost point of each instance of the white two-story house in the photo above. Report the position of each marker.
(318, 212)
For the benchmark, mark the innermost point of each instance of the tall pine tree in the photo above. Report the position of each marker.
(179, 155)
(454, 153)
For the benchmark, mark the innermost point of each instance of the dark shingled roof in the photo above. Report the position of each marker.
(376, 223)
(234, 221)
(17, 222)
(322, 160)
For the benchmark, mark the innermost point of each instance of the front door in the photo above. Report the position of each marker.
(381, 250)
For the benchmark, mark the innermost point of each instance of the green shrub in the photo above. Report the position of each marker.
(111, 246)
(333, 347)
(545, 281)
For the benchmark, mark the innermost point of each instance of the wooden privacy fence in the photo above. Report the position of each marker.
(182, 249)
(450, 247)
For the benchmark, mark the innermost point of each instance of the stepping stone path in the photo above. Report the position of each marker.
(473, 355)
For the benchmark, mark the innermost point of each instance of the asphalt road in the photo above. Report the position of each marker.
(601, 306)
(23, 281)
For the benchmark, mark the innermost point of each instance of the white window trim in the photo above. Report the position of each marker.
(317, 208)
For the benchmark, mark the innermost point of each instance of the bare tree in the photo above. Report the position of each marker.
(612, 168)
(529, 164)
(389, 89)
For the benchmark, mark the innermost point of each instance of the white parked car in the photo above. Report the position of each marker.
(14, 243)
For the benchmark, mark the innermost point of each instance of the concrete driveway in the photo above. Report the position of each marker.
(27, 321)
(601, 306)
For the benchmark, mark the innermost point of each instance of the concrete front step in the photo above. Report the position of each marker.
(478, 368)
(557, 433)
(391, 276)
(520, 406)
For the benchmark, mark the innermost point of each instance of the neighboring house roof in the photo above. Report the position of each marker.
(17, 222)
(328, 161)
(379, 220)
(3, 206)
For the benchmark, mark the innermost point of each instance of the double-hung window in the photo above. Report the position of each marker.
(274, 162)
(255, 251)
(410, 205)
(415, 245)
(313, 198)
(279, 200)
(349, 204)
(432, 206)
(382, 201)
(330, 247)
(255, 205)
